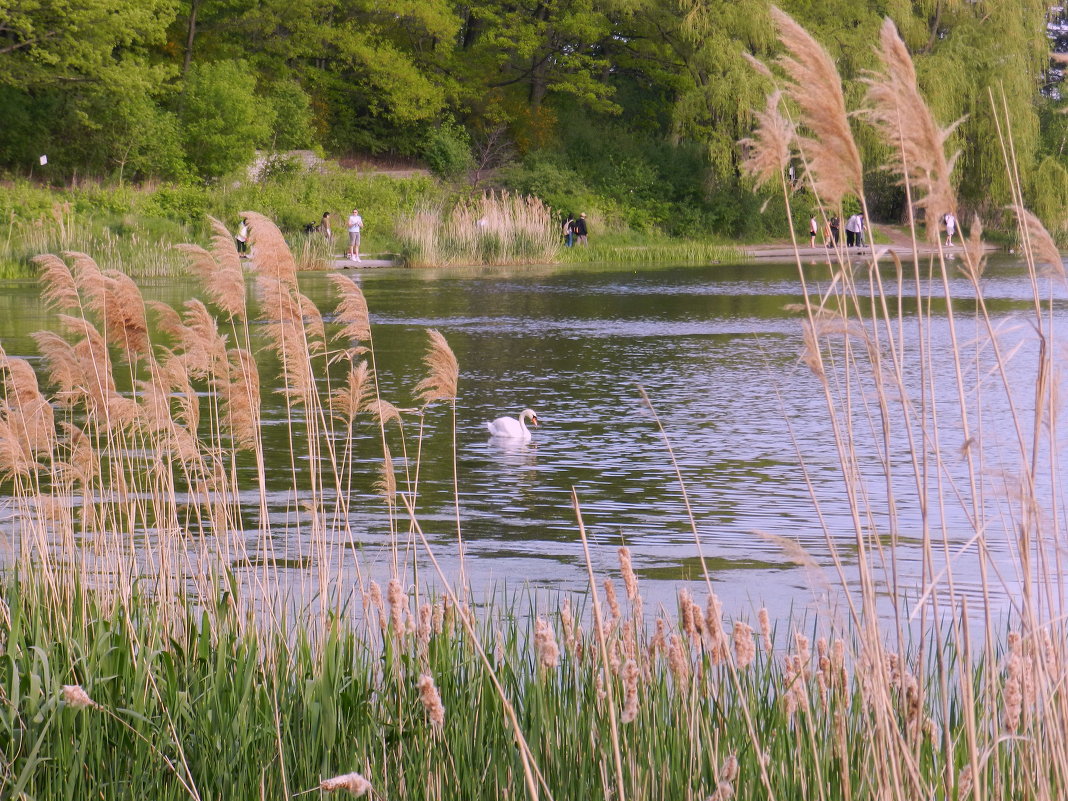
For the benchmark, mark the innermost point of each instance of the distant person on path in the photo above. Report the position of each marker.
(324, 227)
(580, 230)
(860, 231)
(355, 226)
(813, 229)
(835, 225)
(242, 238)
(951, 227)
(569, 230)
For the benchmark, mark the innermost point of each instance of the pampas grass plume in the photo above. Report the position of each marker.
(443, 371)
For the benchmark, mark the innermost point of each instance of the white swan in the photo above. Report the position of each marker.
(511, 428)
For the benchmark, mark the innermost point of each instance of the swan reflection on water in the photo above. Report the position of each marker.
(511, 452)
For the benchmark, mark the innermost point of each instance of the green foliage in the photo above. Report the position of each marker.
(222, 119)
(447, 150)
(292, 116)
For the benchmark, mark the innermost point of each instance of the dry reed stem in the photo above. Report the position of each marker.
(831, 154)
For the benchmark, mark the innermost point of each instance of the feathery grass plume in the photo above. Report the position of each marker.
(76, 697)
(1012, 694)
(383, 411)
(353, 395)
(438, 621)
(768, 150)
(83, 462)
(443, 371)
(31, 413)
(630, 692)
(241, 399)
(658, 642)
(545, 643)
(354, 783)
(219, 270)
(714, 635)
(831, 155)
(60, 291)
(200, 345)
(352, 310)
(270, 252)
(974, 251)
(284, 327)
(431, 698)
(15, 459)
(744, 645)
(917, 144)
(964, 783)
(1040, 242)
(314, 329)
(386, 485)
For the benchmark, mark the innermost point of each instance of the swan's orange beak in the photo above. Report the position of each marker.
(534, 420)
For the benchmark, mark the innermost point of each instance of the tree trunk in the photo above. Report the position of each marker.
(194, 6)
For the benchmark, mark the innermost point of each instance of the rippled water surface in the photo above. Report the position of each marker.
(716, 350)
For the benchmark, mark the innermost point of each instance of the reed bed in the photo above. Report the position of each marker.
(491, 229)
(123, 245)
(656, 253)
(154, 642)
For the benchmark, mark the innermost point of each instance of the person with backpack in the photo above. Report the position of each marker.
(569, 230)
(580, 230)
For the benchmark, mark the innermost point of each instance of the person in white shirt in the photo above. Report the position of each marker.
(951, 227)
(355, 225)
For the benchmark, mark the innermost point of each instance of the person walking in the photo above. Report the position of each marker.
(242, 239)
(951, 227)
(324, 227)
(835, 226)
(813, 229)
(859, 235)
(355, 226)
(581, 231)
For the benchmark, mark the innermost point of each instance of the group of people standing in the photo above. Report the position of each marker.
(575, 230)
(354, 226)
(854, 229)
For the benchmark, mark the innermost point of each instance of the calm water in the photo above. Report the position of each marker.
(717, 354)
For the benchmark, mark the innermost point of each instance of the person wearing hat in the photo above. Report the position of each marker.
(355, 226)
(580, 229)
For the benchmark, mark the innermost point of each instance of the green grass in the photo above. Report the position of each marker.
(197, 702)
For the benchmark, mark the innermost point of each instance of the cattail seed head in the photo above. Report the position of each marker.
(545, 642)
(765, 629)
(353, 782)
(76, 697)
(744, 645)
(630, 691)
(613, 601)
(398, 607)
(630, 580)
(431, 699)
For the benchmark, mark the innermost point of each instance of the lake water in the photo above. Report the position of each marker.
(717, 351)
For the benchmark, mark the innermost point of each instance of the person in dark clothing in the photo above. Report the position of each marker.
(835, 225)
(580, 229)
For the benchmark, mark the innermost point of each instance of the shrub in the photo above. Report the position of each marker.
(447, 151)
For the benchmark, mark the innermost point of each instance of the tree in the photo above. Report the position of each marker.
(223, 121)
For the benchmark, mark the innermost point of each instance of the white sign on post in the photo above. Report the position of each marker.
(44, 160)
